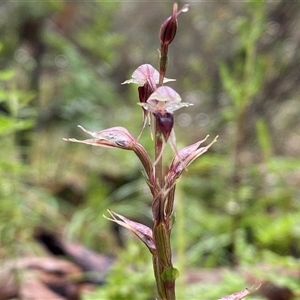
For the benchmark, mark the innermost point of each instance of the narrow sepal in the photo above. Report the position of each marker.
(240, 295)
(143, 232)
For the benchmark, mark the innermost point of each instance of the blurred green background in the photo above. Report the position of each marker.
(62, 64)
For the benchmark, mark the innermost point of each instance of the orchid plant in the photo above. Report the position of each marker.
(158, 103)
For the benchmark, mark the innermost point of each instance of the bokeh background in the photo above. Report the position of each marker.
(62, 64)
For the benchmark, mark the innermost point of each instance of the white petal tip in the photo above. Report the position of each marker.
(70, 140)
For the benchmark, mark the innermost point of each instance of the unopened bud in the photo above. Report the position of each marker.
(169, 27)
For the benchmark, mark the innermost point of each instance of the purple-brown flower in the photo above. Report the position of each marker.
(164, 100)
(162, 103)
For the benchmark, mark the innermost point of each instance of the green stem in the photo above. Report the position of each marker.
(159, 283)
(164, 278)
(162, 261)
(164, 272)
(158, 157)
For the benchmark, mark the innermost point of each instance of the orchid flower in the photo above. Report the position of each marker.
(164, 100)
(162, 103)
(147, 77)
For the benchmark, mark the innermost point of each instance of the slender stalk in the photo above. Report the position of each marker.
(162, 262)
(159, 261)
(158, 140)
(163, 61)
(159, 283)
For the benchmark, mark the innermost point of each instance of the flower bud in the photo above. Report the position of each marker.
(169, 26)
(168, 30)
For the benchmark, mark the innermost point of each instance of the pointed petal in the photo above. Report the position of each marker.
(185, 8)
(171, 107)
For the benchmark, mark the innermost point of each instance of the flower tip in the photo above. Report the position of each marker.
(185, 8)
(70, 140)
(175, 8)
(83, 129)
(127, 81)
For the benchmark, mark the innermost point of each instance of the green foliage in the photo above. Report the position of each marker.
(131, 278)
(21, 205)
(230, 283)
(264, 139)
(257, 66)
(244, 79)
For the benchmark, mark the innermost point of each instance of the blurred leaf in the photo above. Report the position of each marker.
(9, 125)
(264, 139)
(7, 74)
